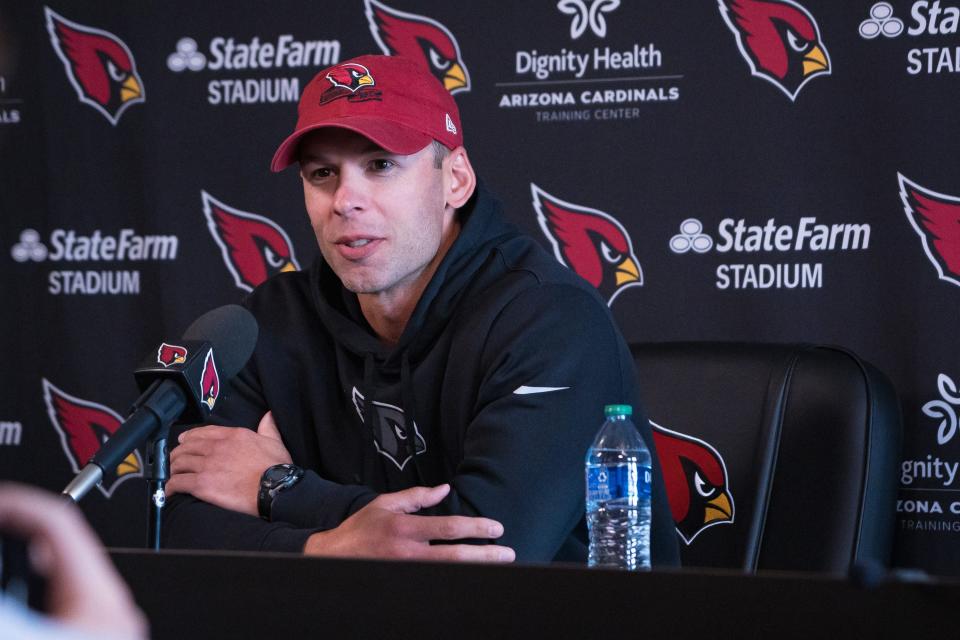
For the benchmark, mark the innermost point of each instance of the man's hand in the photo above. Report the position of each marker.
(223, 465)
(84, 590)
(386, 528)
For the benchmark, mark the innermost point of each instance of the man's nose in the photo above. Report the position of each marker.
(349, 195)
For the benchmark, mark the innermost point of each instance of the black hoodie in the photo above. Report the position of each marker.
(503, 370)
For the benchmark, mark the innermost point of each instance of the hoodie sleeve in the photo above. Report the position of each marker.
(552, 360)
(313, 505)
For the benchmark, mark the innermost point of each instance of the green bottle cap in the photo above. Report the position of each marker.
(617, 410)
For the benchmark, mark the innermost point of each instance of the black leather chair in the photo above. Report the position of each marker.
(775, 456)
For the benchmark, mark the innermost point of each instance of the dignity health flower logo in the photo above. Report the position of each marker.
(584, 16)
(944, 408)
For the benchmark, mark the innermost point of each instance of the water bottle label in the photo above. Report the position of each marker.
(615, 481)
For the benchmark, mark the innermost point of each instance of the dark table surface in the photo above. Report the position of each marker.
(237, 595)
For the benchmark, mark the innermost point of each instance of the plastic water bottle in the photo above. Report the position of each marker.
(618, 494)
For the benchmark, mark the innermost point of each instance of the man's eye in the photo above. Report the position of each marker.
(381, 164)
(322, 172)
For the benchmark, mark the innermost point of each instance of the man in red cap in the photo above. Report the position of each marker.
(436, 376)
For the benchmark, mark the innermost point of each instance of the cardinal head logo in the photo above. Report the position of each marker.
(350, 76)
(253, 247)
(420, 38)
(98, 64)
(209, 382)
(390, 431)
(83, 427)
(592, 243)
(936, 219)
(695, 477)
(170, 354)
(780, 41)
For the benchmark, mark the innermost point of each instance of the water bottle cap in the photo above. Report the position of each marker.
(617, 410)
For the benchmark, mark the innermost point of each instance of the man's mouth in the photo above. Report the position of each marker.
(357, 247)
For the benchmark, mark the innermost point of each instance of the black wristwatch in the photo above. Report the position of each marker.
(275, 479)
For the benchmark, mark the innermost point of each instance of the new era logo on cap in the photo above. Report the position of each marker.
(452, 128)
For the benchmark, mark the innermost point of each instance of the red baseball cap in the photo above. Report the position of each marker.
(392, 100)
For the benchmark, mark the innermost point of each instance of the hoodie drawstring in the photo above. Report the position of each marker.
(368, 417)
(410, 411)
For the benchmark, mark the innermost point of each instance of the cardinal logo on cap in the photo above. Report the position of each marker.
(352, 81)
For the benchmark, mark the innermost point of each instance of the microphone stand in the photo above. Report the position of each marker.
(150, 419)
(156, 472)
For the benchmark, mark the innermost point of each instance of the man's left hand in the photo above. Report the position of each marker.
(223, 465)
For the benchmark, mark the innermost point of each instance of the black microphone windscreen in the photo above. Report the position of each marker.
(232, 330)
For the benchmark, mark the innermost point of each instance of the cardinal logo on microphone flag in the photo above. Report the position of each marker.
(209, 382)
(170, 354)
(83, 427)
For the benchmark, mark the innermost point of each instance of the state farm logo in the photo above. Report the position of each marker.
(738, 237)
(881, 22)
(186, 57)
(231, 55)
(691, 238)
(936, 219)
(592, 243)
(98, 64)
(585, 17)
(68, 245)
(420, 38)
(253, 247)
(601, 83)
(927, 20)
(779, 40)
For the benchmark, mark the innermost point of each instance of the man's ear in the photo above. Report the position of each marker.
(459, 178)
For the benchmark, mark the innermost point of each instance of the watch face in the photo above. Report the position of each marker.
(276, 474)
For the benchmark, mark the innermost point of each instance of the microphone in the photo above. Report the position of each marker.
(177, 381)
